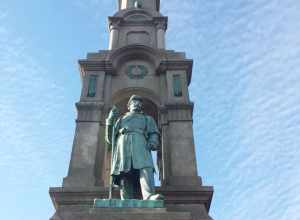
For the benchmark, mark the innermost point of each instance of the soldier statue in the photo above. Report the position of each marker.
(132, 137)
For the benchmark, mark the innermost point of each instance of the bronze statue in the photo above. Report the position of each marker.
(132, 138)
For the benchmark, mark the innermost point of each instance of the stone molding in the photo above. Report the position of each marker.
(161, 23)
(125, 12)
(94, 65)
(163, 60)
(158, 22)
(123, 54)
(184, 64)
(91, 213)
(176, 112)
(89, 111)
(62, 196)
(90, 105)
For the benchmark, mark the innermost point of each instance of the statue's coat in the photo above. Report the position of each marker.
(132, 138)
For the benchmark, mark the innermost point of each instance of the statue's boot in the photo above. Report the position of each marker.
(156, 197)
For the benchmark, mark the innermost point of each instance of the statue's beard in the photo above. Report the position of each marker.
(135, 109)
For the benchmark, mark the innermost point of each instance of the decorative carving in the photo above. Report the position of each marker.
(137, 71)
(161, 23)
(89, 111)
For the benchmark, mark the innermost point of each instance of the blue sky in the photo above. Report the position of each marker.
(246, 89)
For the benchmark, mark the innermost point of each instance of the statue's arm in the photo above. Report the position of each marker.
(153, 134)
(108, 131)
(110, 123)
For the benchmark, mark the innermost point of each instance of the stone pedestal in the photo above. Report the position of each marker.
(190, 203)
(87, 213)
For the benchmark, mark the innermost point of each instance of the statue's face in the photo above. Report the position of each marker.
(135, 106)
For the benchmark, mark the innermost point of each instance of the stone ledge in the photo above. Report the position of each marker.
(173, 195)
(84, 212)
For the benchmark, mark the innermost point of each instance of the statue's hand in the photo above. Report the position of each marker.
(114, 112)
(151, 147)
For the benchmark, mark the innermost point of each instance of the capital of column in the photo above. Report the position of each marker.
(113, 26)
(162, 23)
(113, 23)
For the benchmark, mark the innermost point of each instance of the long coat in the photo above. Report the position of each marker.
(132, 138)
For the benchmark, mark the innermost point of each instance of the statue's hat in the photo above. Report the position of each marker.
(135, 97)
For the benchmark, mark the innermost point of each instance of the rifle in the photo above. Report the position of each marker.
(109, 136)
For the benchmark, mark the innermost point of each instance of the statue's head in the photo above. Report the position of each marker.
(135, 103)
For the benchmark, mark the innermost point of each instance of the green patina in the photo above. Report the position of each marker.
(92, 86)
(177, 85)
(128, 203)
(137, 71)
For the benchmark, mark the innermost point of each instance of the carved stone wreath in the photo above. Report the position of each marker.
(137, 71)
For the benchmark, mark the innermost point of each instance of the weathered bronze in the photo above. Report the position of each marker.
(132, 138)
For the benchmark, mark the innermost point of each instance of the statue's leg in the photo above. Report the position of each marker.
(126, 191)
(147, 182)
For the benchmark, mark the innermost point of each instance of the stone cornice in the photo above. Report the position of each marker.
(115, 24)
(107, 61)
(179, 106)
(161, 22)
(176, 112)
(89, 105)
(89, 111)
(94, 65)
(186, 64)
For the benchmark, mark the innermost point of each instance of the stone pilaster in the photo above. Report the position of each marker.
(86, 146)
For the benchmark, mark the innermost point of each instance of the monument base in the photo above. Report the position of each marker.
(86, 213)
(129, 203)
(181, 203)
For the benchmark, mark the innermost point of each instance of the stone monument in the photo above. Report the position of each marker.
(136, 63)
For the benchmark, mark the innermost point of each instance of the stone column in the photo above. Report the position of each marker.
(160, 34)
(113, 37)
(85, 146)
(161, 38)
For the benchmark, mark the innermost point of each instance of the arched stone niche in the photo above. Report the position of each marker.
(130, 52)
(150, 101)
